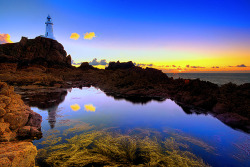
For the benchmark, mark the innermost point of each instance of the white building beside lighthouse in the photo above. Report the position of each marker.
(49, 28)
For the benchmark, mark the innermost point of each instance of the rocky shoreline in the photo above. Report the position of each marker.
(40, 67)
(44, 64)
(19, 125)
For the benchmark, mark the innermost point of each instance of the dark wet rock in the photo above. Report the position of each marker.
(35, 120)
(23, 41)
(29, 131)
(24, 131)
(40, 51)
(68, 60)
(118, 65)
(220, 108)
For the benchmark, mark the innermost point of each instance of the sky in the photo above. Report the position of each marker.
(171, 35)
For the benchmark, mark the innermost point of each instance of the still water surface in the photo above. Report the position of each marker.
(89, 108)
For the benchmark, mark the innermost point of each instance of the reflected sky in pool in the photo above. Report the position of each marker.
(92, 106)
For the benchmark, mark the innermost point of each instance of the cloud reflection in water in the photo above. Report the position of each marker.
(89, 107)
(75, 107)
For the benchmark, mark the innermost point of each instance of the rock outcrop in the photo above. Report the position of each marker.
(118, 65)
(86, 66)
(17, 120)
(17, 154)
(39, 51)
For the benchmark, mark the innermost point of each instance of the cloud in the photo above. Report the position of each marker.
(187, 66)
(215, 67)
(75, 107)
(74, 63)
(173, 65)
(89, 35)
(5, 38)
(89, 107)
(94, 62)
(242, 65)
(144, 65)
(103, 62)
(166, 66)
(197, 67)
(74, 36)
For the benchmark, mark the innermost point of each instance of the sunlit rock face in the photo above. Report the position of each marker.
(17, 154)
(39, 51)
(16, 119)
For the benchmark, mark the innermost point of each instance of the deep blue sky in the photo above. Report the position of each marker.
(146, 31)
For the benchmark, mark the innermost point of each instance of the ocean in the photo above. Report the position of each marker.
(217, 78)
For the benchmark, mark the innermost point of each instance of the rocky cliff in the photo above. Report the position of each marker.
(39, 51)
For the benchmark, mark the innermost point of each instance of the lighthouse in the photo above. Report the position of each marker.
(49, 28)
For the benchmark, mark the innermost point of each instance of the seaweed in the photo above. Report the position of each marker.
(110, 147)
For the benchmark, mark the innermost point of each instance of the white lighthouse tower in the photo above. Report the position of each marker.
(49, 28)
